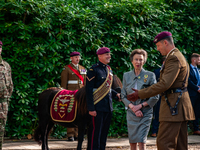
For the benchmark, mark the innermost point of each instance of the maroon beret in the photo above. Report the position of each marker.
(1, 43)
(161, 36)
(74, 54)
(103, 50)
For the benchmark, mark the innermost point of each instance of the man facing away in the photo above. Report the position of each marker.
(73, 77)
(194, 90)
(175, 108)
(6, 89)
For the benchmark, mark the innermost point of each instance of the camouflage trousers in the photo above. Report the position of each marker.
(3, 118)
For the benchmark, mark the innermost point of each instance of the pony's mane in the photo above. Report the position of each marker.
(80, 97)
(54, 88)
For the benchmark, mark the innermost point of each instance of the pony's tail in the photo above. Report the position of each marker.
(37, 135)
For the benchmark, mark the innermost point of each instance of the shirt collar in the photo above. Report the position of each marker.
(193, 67)
(101, 64)
(170, 51)
(75, 65)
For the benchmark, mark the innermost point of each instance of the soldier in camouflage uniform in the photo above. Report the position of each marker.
(6, 88)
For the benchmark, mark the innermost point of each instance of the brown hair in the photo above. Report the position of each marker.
(139, 51)
(195, 55)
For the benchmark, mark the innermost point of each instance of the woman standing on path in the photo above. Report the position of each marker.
(138, 122)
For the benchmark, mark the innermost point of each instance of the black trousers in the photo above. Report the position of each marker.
(98, 131)
(195, 100)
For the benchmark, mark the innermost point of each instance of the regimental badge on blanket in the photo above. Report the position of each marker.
(63, 107)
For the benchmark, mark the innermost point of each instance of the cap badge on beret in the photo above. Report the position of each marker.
(162, 36)
(103, 50)
(74, 54)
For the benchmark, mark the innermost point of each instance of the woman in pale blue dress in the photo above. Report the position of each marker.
(140, 112)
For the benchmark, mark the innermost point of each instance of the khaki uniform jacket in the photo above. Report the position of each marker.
(172, 75)
(6, 84)
(68, 77)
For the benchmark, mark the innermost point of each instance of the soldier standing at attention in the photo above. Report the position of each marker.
(6, 89)
(175, 108)
(73, 77)
(99, 100)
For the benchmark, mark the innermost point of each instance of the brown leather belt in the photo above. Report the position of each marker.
(174, 90)
(174, 110)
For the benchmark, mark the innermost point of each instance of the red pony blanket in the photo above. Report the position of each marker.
(63, 107)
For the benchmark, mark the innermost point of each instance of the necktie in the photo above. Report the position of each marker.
(197, 75)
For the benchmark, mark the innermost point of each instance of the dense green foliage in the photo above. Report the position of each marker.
(38, 36)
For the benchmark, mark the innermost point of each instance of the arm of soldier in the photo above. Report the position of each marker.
(84, 77)
(90, 80)
(115, 95)
(152, 100)
(10, 90)
(171, 71)
(64, 78)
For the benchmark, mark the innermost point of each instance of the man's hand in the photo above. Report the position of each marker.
(134, 96)
(93, 113)
(119, 96)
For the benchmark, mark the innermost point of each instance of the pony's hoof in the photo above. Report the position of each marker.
(70, 138)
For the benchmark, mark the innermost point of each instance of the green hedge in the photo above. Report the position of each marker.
(38, 36)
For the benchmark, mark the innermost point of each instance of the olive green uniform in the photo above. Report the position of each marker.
(70, 81)
(172, 132)
(6, 89)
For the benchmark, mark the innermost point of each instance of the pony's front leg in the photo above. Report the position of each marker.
(45, 135)
(45, 138)
(81, 132)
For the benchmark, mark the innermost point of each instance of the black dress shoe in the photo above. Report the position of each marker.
(70, 138)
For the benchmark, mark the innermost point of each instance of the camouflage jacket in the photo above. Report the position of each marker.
(6, 84)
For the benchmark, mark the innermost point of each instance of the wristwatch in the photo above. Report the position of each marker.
(142, 105)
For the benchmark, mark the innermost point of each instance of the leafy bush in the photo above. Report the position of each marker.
(38, 36)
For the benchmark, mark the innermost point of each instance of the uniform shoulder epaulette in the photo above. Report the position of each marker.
(89, 77)
(172, 53)
(95, 65)
(92, 68)
(65, 67)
